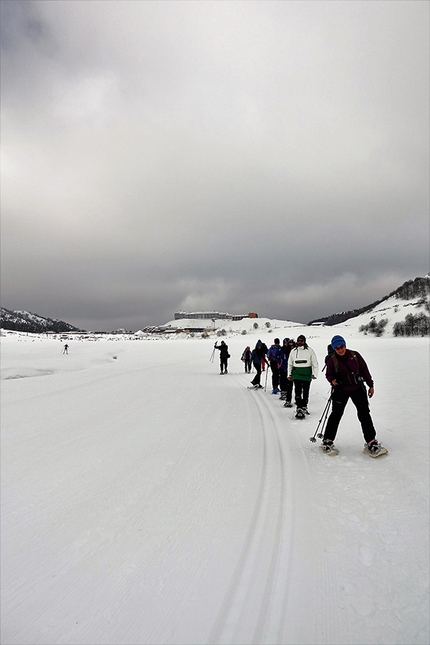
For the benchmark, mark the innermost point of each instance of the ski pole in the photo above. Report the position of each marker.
(267, 371)
(323, 416)
(212, 355)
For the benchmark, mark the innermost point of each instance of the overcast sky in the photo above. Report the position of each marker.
(235, 156)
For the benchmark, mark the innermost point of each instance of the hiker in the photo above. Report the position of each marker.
(223, 356)
(302, 369)
(347, 371)
(256, 357)
(263, 351)
(273, 355)
(66, 349)
(285, 385)
(246, 358)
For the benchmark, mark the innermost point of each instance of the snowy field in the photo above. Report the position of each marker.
(148, 500)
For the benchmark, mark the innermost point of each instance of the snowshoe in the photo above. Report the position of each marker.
(329, 448)
(288, 404)
(374, 449)
(300, 414)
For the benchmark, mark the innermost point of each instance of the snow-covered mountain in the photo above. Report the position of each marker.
(404, 312)
(29, 322)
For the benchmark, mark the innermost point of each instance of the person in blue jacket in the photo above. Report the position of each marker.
(273, 355)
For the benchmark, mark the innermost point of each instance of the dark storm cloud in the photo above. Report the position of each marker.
(262, 156)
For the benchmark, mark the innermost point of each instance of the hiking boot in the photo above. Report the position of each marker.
(275, 390)
(329, 447)
(373, 446)
(283, 396)
(288, 404)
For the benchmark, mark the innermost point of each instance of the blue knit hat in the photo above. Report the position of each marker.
(337, 341)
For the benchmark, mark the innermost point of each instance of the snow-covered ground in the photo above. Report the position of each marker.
(147, 499)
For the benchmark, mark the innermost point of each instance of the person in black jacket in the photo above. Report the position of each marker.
(286, 385)
(256, 357)
(223, 356)
(246, 358)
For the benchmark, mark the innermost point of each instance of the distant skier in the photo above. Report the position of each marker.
(223, 356)
(66, 349)
(302, 369)
(347, 371)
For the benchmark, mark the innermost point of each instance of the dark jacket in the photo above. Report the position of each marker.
(223, 349)
(261, 349)
(349, 371)
(246, 354)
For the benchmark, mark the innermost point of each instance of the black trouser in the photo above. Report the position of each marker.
(361, 402)
(275, 374)
(223, 362)
(256, 379)
(285, 384)
(248, 365)
(301, 392)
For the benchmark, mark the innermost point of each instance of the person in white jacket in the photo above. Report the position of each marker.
(302, 369)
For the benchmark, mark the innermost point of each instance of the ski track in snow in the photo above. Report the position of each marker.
(146, 499)
(261, 551)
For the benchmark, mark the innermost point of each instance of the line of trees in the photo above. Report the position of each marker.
(418, 288)
(413, 325)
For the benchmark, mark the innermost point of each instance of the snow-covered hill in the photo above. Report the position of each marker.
(386, 315)
(404, 312)
(27, 321)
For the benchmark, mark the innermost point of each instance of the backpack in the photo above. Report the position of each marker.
(330, 353)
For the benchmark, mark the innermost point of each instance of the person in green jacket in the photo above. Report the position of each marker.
(302, 369)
